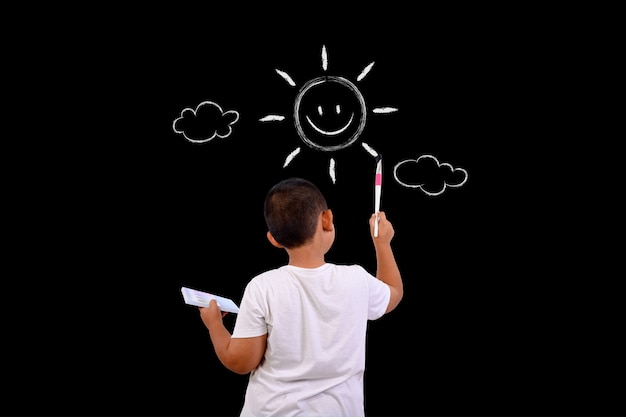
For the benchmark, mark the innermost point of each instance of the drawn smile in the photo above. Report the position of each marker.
(331, 132)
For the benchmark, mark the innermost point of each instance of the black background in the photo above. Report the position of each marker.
(501, 314)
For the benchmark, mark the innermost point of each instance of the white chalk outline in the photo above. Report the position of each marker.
(384, 110)
(287, 78)
(369, 149)
(272, 118)
(445, 185)
(362, 119)
(206, 102)
(365, 71)
(331, 169)
(291, 156)
(312, 83)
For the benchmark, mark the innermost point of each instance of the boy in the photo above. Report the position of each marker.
(300, 330)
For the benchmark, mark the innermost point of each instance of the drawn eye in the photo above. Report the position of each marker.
(319, 110)
(338, 109)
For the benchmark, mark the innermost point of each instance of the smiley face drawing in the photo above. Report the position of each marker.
(329, 113)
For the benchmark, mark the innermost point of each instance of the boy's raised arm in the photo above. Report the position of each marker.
(386, 266)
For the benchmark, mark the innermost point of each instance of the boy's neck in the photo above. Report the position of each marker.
(304, 257)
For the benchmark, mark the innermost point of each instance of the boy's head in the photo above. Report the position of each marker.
(292, 211)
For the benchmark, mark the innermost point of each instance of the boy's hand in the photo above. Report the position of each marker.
(385, 228)
(212, 313)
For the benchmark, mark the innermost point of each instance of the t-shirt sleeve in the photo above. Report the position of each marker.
(379, 295)
(250, 321)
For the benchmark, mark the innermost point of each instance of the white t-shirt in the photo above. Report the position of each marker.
(315, 320)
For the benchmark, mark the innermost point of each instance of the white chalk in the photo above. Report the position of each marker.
(378, 182)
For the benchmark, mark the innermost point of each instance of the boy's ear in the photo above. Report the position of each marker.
(327, 220)
(273, 241)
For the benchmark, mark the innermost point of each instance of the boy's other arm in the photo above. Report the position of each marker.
(240, 355)
(386, 266)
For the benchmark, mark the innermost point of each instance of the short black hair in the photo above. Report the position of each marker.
(292, 208)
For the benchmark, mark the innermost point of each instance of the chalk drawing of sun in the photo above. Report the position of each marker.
(329, 113)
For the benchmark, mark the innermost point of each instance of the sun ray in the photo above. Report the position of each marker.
(369, 149)
(291, 156)
(364, 72)
(286, 77)
(272, 118)
(384, 110)
(331, 169)
(324, 58)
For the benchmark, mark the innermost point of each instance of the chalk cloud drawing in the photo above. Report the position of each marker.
(428, 174)
(329, 113)
(205, 123)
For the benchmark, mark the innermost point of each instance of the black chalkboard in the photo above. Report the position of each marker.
(198, 118)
